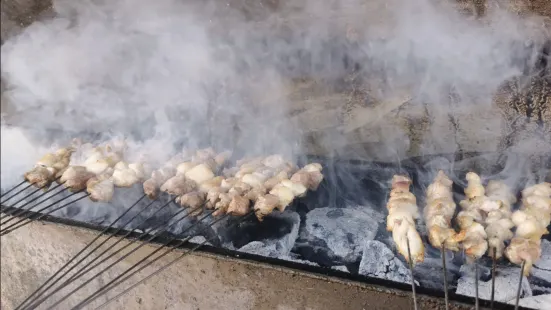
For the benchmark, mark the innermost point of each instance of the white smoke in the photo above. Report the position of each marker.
(170, 74)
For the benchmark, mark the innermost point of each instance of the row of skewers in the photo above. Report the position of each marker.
(485, 222)
(263, 183)
(197, 180)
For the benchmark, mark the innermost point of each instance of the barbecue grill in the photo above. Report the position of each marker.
(349, 186)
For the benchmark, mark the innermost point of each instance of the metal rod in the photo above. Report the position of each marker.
(443, 252)
(410, 263)
(25, 197)
(113, 264)
(37, 291)
(13, 188)
(11, 228)
(113, 283)
(520, 284)
(20, 210)
(30, 214)
(20, 191)
(79, 273)
(476, 304)
(30, 184)
(494, 263)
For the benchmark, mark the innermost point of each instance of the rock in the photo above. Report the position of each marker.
(506, 284)
(343, 230)
(541, 302)
(379, 261)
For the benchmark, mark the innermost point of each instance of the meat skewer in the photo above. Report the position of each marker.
(531, 222)
(498, 224)
(471, 220)
(438, 216)
(402, 213)
(439, 213)
(48, 167)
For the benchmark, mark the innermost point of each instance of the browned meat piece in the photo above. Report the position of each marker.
(210, 184)
(239, 206)
(284, 195)
(273, 181)
(40, 176)
(265, 205)
(200, 173)
(76, 177)
(256, 192)
(151, 189)
(213, 196)
(309, 176)
(194, 201)
(223, 203)
(100, 188)
(178, 185)
(240, 188)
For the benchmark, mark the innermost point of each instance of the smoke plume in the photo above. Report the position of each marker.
(170, 74)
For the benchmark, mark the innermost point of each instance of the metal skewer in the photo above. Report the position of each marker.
(494, 263)
(80, 272)
(17, 212)
(13, 188)
(410, 263)
(520, 284)
(114, 263)
(25, 197)
(443, 252)
(14, 226)
(38, 291)
(476, 304)
(113, 283)
(20, 191)
(86, 268)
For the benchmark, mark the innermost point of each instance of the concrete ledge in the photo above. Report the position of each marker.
(199, 281)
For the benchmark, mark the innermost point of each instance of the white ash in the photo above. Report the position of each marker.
(540, 280)
(545, 261)
(541, 302)
(199, 240)
(506, 284)
(380, 262)
(270, 250)
(344, 229)
(340, 268)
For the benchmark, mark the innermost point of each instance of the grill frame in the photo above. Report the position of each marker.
(389, 287)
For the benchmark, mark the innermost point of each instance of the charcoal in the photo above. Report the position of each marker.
(429, 274)
(280, 229)
(380, 262)
(506, 284)
(343, 230)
